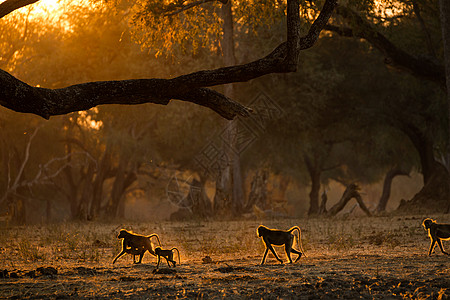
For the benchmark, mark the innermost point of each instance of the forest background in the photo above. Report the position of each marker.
(351, 114)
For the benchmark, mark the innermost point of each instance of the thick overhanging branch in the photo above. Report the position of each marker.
(21, 97)
(9, 6)
(175, 9)
(395, 57)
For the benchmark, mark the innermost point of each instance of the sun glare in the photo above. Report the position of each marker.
(50, 11)
(41, 8)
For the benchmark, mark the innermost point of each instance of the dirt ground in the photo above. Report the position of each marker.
(369, 258)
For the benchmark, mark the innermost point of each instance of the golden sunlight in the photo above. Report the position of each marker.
(389, 9)
(41, 8)
(87, 121)
(50, 10)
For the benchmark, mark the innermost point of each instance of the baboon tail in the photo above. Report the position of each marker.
(299, 238)
(157, 237)
(293, 228)
(179, 260)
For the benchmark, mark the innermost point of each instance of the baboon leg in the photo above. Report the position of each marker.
(274, 253)
(159, 260)
(140, 257)
(167, 261)
(264, 257)
(432, 245)
(298, 253)
(440, 246)
(287, 248)
(134, 259)
(119, 255)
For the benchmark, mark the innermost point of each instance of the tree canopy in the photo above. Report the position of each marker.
(344, 114)
(193, 87)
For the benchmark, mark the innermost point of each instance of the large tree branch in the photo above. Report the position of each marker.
(21, 97)
(395, 57)
(9, 6)
(175, 9)
(425, 30)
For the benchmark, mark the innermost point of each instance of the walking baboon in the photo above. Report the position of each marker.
(436, 232)
(279, 238)
(136, 244)
(168, 255)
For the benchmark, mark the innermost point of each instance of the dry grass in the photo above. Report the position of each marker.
(378, 257)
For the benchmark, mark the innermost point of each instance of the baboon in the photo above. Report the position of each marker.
(436, 232)
(279, 238)
(136, 244)
(168, 255)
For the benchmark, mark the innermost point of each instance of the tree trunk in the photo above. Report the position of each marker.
(198, 200)
(427, 159)
(323, 203)
(314, 194)
(121, 183)
(283, 185)
(258, 191)
(97, 190)
(445, 25)
(315, 172)
(387, 187)
(18, 210)
(229, 188)
(433, 197)
(86, 195)
(350, 192)
(222, 198)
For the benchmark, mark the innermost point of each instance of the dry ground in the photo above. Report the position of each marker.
(378, 257)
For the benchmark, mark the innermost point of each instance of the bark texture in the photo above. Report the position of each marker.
(323, 203)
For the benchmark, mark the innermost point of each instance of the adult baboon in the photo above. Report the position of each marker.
(136, 244)
(436, 232)
(279, 238)
(168, 255)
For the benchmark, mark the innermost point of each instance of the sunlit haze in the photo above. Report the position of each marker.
(49, 10)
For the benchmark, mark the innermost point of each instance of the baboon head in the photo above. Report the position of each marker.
(260, 230)
(427, 223)
(122, 234)
(158, 250)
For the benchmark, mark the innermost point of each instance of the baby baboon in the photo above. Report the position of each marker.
(168, 255)
(278, 238)
(136, 244)
(436, 232)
